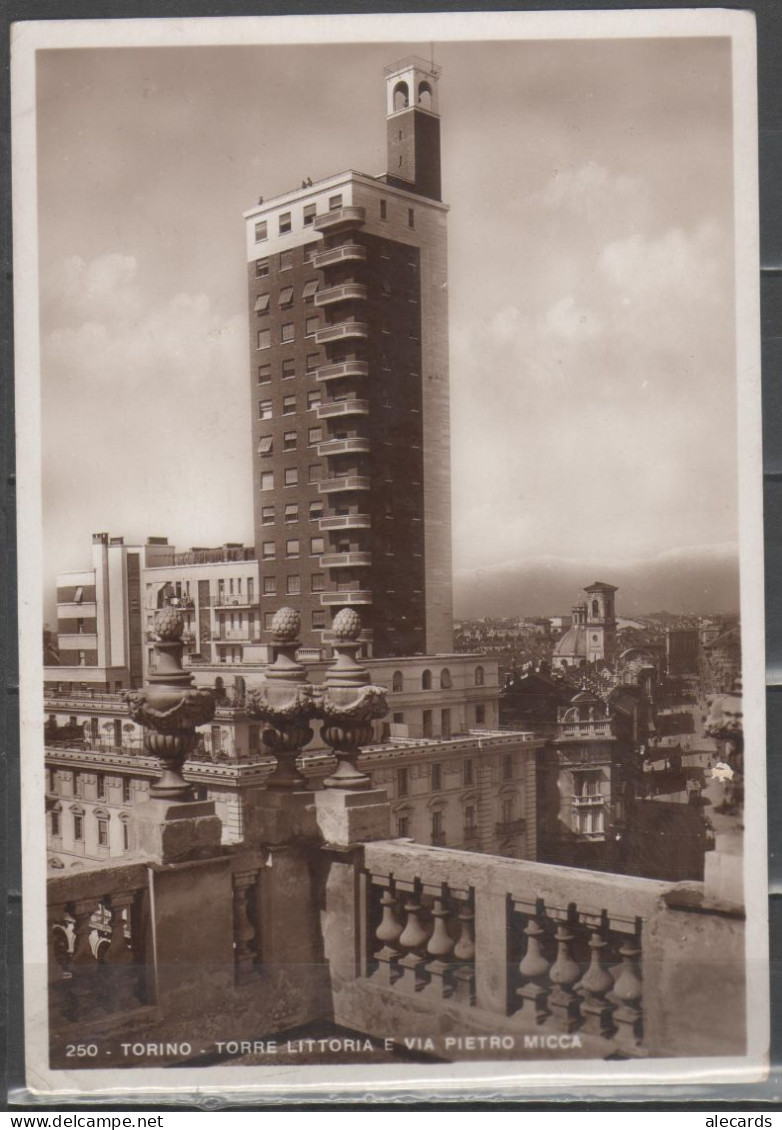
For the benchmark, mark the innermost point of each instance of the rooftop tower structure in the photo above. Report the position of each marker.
(347, 282)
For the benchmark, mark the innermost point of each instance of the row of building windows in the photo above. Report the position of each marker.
(287, 297)
(316, 510)
(290, 478)
(446, 681)
(310, 211)
(72, 784)
(289, 406)
(470, 821)
(102, 827)
(286, 259)
(292, 550)
(436, 775)
(287, 368)
(290, 442)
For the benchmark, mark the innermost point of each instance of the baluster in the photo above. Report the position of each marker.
(628, 990)
(119, 974)
(439, 947)
(596, 982)
(563, 974)
(464, 955)
(413, 939)
(59, 959)
(83, 963)
(388, 933)
(244, 930)
(534, 968)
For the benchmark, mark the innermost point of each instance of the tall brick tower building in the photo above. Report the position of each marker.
(349, 369)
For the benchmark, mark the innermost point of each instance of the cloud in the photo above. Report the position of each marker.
(146, 411)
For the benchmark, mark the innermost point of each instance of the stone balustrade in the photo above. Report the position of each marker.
(549, 957)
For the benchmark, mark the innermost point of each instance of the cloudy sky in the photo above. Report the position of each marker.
(591, 285)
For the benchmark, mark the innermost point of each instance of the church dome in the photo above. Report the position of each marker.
(573, 644)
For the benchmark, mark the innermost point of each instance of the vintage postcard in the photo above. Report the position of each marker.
(391, 590)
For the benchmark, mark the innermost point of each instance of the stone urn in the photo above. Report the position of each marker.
(348, 705)
(170, 708)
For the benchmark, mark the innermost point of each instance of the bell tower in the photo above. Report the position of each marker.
(601, 621)
(413, 127)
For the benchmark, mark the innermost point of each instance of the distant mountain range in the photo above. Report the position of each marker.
(700, 580)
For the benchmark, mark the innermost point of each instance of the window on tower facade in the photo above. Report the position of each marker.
(286, 296)
(316, 509)
(318, 582)
(286, 260)
(264, 339)
(314, 398)
(103, 832)
(310, 290)
(383, 210)
(318, 619)
(317, 546)
(288, 405)
(437, 776)
(261, 231)
(292, 512)
(315, 435)
(401, 782)
(267, 515)
(507, 767)
(261, 268)
(293, 585)
(269, 586)
(468, 772)
(267, 620)
(402, 826)
(480, 714)
(291, 476)
(288, 368)
(285, 223)
(265, 445)
(315, 472)
(312, 362)
(264, 410)
(310, 212)
(267, 480)
(264, 374)
(289, 441)
(292, 547)
(310, 251)
(311, 325)
(287, 332)
(335, 202)
(411, 217)
(267, 551)
(261, 304)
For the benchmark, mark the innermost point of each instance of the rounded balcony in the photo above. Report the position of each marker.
(342, 369)
(341, 331)
(346, 599)
(335, 409)
(352, 445)
(346, 253)
(344, 483)
(346, 560)
(352, 215)
(345, 522)
(344, 293)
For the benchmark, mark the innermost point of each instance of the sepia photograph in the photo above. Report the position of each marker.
(391, 592)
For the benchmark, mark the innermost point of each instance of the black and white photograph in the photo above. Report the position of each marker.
(391, 594)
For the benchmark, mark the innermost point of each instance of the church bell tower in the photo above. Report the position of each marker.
(413, 127)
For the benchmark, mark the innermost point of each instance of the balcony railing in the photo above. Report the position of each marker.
(347, 253)
(586, 801)
(509, 827)
(491, 936)
(586, 729)
(353, 445)
(340, 331)
(232, 635)
(351, 215)
(346, 599)
(342, 369)
(346, 560)
(346, 522)
(236, 600)
(344, 482)
(339, 408)
(344, 293)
